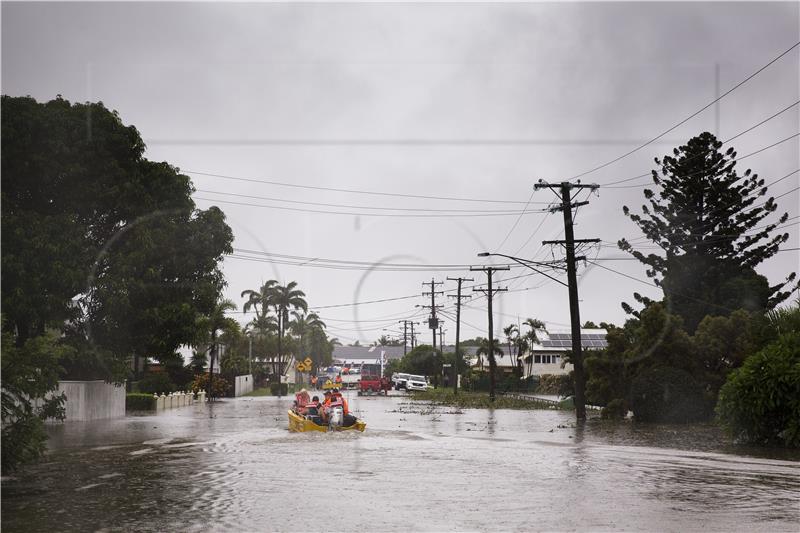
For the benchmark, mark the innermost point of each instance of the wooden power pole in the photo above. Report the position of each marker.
(564, 191)
(489, 291)
(458, 298)
(433, 321)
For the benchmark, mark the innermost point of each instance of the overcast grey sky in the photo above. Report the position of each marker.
(455, 100)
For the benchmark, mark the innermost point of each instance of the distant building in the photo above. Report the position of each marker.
(357, 355)
(547, 355)
(505, 363)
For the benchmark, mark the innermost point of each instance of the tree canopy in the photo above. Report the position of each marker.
(104, 251)
(706, 218)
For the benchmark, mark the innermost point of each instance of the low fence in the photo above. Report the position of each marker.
(178, 399)
(92, 400)
(549, 401)
(243, 385)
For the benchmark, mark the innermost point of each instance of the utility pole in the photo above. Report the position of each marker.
(489, 291)
(458, 298)
(250, 360)
(405, 334)
(564, 190)
(433, 321)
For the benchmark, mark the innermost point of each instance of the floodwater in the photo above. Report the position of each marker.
(234, 466)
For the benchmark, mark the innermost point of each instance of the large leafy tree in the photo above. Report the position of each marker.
(707, 220)
(96, 234)
(99, 244)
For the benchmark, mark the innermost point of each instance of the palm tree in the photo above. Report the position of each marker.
(531, 337)
(259, 298)
(511, 332)
(285, 299)
(512, 337)
(212, 324)
(302, 325)
(483, 349)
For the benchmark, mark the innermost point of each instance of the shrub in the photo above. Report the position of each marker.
(282, 387)
(221, 385)
(665, 394)
(29, 395)
(560, 384)
(156, 383)
(137, 401)
(614, 409)
(760, 402)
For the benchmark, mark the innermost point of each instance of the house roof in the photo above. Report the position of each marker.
(591, 339)
(502, 361)
(372, 354)
(369, 353)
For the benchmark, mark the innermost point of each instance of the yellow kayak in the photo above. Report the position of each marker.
(301, 424)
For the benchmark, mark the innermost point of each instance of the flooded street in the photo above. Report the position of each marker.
(234, 466)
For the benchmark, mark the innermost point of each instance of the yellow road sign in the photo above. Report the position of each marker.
(308, 362)
(301, 367)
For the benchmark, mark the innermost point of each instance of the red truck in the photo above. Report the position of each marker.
(373, 385)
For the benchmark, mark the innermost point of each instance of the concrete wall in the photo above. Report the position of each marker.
(243, 385)
(92, 400)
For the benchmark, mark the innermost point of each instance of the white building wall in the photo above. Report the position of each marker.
(243, 385)
(92, 400)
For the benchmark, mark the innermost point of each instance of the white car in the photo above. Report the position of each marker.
(416, 383)
(399, 380)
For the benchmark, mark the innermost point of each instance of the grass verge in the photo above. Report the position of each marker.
(477, 400)
(264, 391)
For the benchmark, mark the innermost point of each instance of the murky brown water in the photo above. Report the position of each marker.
(233, 466)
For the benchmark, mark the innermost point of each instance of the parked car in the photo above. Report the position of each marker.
(373, 385)
(399, 380)
(416, 383)
(350, 378)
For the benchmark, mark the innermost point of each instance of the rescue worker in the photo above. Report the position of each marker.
(313, 411)
(302, 399)
(326, 404)
(337, 397)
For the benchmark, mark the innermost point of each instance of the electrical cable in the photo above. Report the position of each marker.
(374, 208)
(726, 93)
(355, 191)
(350, 213)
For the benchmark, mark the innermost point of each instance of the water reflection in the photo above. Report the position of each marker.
(234, 466)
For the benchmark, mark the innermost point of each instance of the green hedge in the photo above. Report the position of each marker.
(156, 383)
(760, 402)
(140, 402)
(666, 394)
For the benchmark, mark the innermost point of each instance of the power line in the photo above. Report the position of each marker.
(354, 191)
(729, 91)
(726, 141)
(751, 128)
(351, 213)
(374, 208)
(340, 264)
(516, 222)
(647, 175)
